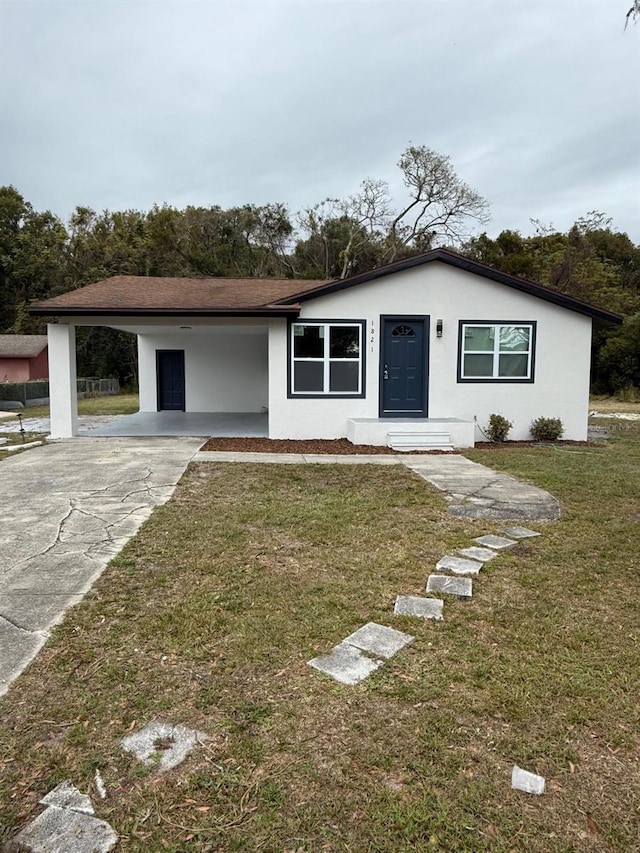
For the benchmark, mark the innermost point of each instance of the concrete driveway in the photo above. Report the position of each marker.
(67, 509)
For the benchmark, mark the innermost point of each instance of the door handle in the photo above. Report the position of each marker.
(385, 372)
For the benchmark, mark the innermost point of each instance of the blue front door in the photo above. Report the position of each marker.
(403, 366)
(171, 385)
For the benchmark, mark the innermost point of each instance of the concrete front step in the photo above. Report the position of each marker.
(446, 431)
(419, 440)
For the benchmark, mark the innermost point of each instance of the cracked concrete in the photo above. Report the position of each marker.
(68, 509)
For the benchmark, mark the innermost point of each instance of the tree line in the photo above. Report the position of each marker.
(42, 256)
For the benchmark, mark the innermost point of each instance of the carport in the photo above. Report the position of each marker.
(203, 351)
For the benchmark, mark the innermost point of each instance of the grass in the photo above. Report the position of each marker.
(208, 616)
(614, 404)
(116, 404)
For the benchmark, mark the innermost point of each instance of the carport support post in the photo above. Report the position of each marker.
(63, 386)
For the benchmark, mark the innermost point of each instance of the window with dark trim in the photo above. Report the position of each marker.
(496, 352)
(326, 358)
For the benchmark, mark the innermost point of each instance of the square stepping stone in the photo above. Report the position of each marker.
(459, 565)
(416, 605)
(520, 532)
(67, 796)
(523, 780)
(462, 587)
(477, 553)
(59, 829)
(498, 543)
(346, 664)
(162, 745)
(379, 640)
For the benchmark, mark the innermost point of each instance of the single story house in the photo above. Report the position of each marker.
(414, 354)
(23, 357)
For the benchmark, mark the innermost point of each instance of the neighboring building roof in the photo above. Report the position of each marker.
(147, 296)
(22, 346)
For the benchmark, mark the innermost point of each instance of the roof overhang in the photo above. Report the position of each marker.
(276, 311)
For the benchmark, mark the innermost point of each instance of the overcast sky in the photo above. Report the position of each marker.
(126, 103)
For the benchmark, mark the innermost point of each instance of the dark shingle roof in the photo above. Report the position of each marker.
(142, 295)
(22, 346)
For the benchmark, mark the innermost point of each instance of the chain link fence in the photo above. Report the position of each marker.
(36, 392)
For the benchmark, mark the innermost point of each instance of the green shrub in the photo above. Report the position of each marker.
(546, 429)
(498, 428)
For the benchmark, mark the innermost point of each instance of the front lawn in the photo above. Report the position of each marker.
(208, 616)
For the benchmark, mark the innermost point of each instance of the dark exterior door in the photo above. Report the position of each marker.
(170, 371)
(404, 367)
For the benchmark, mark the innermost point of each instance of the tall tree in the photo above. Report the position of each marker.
(439, 208)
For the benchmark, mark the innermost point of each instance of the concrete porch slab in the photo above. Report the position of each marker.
(221, 424)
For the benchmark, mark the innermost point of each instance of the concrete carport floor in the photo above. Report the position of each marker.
(67, 509)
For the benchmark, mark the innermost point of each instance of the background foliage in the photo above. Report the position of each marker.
(42, 256)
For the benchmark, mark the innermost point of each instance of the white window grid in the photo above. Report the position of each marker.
(496, 352)
(326, 359)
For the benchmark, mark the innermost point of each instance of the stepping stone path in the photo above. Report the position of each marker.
(416, 605)
(67, 824)
(379, 640)
(349, 662)
(460, 587)
(481, 554)
(498, 543)
(459, 565)
(518, 532)
(364, 651)
(67, 796)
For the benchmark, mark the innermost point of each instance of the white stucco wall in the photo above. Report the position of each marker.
(561, 387)
(63, 386)
(225, 369)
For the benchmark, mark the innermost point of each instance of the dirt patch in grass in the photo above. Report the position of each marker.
(207, 619)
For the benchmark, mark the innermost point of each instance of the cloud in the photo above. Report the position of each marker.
(119, 104)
